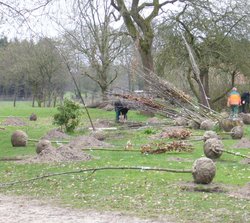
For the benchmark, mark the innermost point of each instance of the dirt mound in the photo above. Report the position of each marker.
(82, 142)
(69, 152)
(103, 123)
(61, 154)
(13, 121)
(55, 134)
(243, 143)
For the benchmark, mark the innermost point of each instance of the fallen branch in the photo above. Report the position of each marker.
(93, 170)
(112, 150)
(57, 141)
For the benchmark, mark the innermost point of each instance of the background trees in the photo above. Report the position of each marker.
(34, 70)
(214, 32)
(95, 42)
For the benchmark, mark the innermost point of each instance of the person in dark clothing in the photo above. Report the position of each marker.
(245, 99)
(120, 109)
(124, 112)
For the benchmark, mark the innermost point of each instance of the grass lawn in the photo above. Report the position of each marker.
(142, 193)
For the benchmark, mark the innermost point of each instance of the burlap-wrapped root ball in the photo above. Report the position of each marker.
(33, 117)
(207, 125)
(209, 135)
(228, 124)
(245, 118)
(203, 170)
(212, 148)
(194, 124)
(180, 121)
(237, 132)
(100, 135)
(42, 144)
(19, 138)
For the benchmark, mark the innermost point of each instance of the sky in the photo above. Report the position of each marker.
(40, 23)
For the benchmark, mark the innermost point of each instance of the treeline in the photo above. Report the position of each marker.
(30, 70)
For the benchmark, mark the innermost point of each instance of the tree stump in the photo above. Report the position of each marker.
(203, 170)
(228, 124)
(212, 148)
(19, 138)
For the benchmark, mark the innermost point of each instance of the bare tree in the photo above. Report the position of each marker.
(218, 36)
(95, 42)
(140, 27)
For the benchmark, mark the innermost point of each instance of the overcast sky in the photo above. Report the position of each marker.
(39, 23)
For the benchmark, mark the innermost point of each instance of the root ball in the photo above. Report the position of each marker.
(209, 135)
(237, 132)
(207, 125)
(203, 170)
(42, 144)
(180, 121)
(19, 138)
(228, 124)
(193, 124)
(212, 148)
(33, 117)
(245, 118)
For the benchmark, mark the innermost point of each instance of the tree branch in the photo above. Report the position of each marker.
(93, 170)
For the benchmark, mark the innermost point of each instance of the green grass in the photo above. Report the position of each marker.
(142, 193)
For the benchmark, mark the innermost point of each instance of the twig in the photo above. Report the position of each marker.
(94, 170)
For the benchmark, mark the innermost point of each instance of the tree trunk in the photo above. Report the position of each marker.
(144, 49)
(33, 101)
(205, 80)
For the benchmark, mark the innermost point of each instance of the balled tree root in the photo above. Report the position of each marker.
(20, 138)
(213, 148)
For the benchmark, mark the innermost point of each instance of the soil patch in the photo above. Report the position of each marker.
(245, 161)
(210, 188)
(179, 159)
(103, 123)
(23, 209)
(232, 191)
(244, 143)
(241, 192)
(13, 121)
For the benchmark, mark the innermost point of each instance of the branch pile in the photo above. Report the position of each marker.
(165, 99)
(157, 148)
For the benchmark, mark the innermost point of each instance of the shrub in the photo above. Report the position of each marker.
(69, 115)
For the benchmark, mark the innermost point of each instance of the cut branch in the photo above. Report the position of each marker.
(93, 170)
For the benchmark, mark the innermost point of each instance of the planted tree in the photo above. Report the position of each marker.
(68, 116)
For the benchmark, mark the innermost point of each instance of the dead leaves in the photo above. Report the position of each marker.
(157, 148)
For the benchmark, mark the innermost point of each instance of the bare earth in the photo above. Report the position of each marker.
(22, 209)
